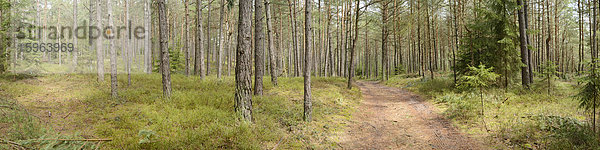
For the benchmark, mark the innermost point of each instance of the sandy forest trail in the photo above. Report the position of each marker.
(391, 118)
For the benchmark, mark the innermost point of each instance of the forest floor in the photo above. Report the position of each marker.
(392, 118)
(36, 110)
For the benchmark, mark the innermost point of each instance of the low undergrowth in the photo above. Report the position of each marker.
(513, 118)
(198, 116)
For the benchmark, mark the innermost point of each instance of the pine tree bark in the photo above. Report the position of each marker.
(186, 35)
(147, 42)
(352, 49)
(208, 40)
(99, 43)
(524, 51)
(113, 54)
(272, 53)
(243, 96)
(221, 41)
(259, 46)
(296, 43)
(384, 38)
(164, 48)
(199, 60)
(75, 50)
(329, 65)
(307, 61)
(127, 45)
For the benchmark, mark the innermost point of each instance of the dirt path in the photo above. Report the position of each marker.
(391, 118)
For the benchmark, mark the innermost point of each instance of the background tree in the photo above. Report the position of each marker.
(270, 40)
(352, 49)
(523, 43)
(113, 54)
(199, 57)
(99, 43)
(490, 41)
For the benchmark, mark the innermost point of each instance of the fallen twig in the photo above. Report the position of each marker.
(66, 115)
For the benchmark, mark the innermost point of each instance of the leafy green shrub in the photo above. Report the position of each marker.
(399, 69)
(176, 61)
(434, 86)
(22, 125)
(460, 107)
(567, 133)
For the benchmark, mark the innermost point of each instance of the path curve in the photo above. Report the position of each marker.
(391, 118)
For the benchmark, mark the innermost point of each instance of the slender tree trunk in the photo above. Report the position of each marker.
(384, 38)
(127, 38)
(429, 47)
(208, 40)
(75, 50)
(329, 67)
(243, 96)
(352, 50)
(367, 67)
(259, 46)
(220, 51)
(199, 60)
(455, 42)
(164, 48)
(99, 43)
(186, 43)
(307, 61)
(296, 43)
(272, 55)
(147, 42)
(524, 50)
(581, 53)
(113, 54)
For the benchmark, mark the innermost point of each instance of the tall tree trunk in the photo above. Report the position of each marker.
(243, 96)
(329, 67)
(307, 61)
(272, 55)
(99, 43)
(352, 50)
(384, 38)
(208, 40)
(429, 47)
(75, 50)
(113, 54)
(186, 35)
(367, 67)
(259, 46)
(296, 43)
(524, 51)
(164, 48)
(147, 42)
(455, 41)
(221, 45)
(128, 54)
(199, 60)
